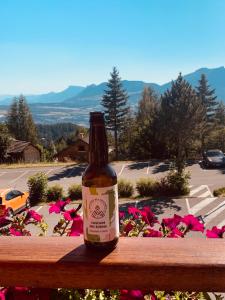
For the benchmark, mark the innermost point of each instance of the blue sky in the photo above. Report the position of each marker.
(47, 45)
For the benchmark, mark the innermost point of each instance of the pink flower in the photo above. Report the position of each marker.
(215, 232)
(152, 233)
(193, 223)
(172, 223)
(175, 233)
(134, 211)
(3, 293)
(77, 226)
(148, 216)
(128, 227)
(70, 215)
(132, 294)
(3, 215)
(58, 206)
(15, 232)
(32, 214)
(121, 214)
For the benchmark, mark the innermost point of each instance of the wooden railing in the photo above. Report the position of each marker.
(136, 263)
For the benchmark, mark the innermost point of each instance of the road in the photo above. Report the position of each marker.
(200, 202)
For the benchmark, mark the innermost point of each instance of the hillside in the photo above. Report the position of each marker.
(74, 103)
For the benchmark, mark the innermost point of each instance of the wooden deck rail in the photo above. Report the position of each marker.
(137, 263)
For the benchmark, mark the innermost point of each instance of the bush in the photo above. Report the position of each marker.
(125, 188)
(37, 184)
(146, 187)
(54, 192)
(219, 192)
(174, 184)
(75, 192)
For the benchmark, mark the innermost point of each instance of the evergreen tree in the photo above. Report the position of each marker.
(4, 142)
(127, 137)
(20, 122)
(147, 105)
(208, 99)
(115, 106)
(220, 114)
(146, 116)
(12, 118)
(181, 118)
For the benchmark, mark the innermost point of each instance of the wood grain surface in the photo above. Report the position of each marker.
(136, 263)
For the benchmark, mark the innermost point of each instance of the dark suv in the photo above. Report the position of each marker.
(213, 158)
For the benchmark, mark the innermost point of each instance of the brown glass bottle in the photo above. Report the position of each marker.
(99, 190)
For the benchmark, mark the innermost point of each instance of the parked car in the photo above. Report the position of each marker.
(213, 158)
(13, 200)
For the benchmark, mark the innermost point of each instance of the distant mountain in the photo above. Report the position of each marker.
(93, 93)
(74, 103)
(51, 97)
(215, 77)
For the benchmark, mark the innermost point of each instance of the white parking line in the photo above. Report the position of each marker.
(49, 171)
(188, 206)
(147, 171)
(14, 180)
(39, 208)
(206, 194)
(196, 190)
(221, 224)
(214, 212)
(124, 165)
(201, 205)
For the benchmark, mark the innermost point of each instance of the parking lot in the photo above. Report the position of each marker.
(200, 202)
(67, 175)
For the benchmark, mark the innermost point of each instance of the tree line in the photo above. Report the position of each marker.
(49, 138)
(179, 124)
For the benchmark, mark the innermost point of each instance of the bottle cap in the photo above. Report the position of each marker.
(97, 117)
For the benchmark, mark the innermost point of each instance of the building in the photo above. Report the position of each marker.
(77, 151)
(22, 151)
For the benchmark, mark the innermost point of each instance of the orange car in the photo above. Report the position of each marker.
(14, 200)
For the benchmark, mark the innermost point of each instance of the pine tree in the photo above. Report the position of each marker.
(208, 99)
(12, 118)
(147, 105)
(128, 136)
(181, 118)
(146, 116)
(220, 114)
(4, 142)
(20, 122)
(115, 106)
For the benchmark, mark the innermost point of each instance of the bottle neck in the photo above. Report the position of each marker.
(98, 153)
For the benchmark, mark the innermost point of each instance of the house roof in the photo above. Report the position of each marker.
(17, 146)
(86, 139)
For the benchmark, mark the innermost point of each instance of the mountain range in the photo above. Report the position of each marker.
(75, 102)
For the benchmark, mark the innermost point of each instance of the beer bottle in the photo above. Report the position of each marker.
(99, 190)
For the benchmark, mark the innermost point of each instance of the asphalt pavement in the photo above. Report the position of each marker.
(67, 175)
(200, 202)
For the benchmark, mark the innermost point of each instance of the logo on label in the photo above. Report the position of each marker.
(97, 208)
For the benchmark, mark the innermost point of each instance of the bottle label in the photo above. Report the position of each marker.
(101, 213)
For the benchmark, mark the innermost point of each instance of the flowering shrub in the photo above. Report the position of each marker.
(135, 222)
